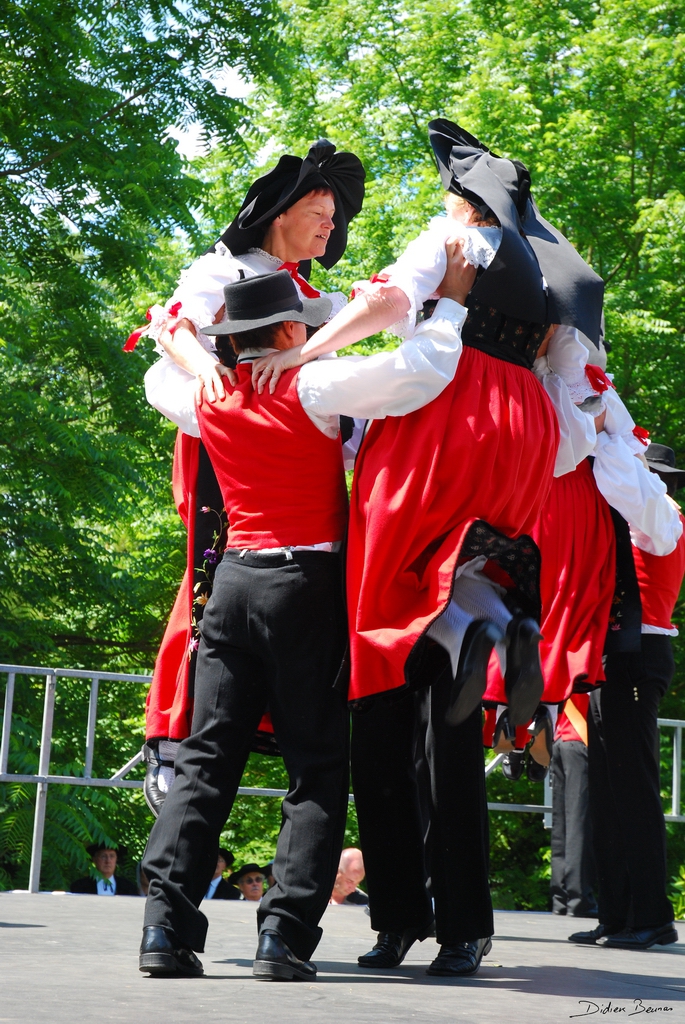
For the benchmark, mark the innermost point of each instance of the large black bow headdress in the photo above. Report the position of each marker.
(531, 247)
(290, 180)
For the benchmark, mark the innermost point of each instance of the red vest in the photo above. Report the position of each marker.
(281, 478)
(660, 578)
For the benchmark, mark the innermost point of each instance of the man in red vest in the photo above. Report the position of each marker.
(274, 630)
(629, 837)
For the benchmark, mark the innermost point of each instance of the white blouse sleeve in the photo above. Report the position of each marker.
(577, 434)
(618, 420)
(389, 383)
(200, 290)
(420, 269)
(171, 391)
(639, 496)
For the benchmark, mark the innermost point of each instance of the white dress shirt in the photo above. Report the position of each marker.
(365, 387)
(107, 886)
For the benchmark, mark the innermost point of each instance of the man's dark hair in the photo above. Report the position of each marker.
(228, 346)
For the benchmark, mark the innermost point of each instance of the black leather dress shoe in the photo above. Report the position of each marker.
(523, 682)
(154, 796)
(460, 960)
(392, 947)
(592, 938)
(512, 765)
(161, 954)
(536, 772)
(643, 938)
(472, 674)
(274, 961)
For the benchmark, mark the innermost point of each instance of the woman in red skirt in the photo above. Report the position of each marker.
(441, 504)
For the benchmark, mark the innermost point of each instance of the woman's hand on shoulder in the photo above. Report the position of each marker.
(210, 382)
(270, 368)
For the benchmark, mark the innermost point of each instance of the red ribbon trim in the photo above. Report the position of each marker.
(135, 337)
(305, 287)
(642, 435)
(598, 378)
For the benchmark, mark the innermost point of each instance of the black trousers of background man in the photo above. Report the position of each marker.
(274, 631)
(629, 835)
(391, 826)
(573, 862)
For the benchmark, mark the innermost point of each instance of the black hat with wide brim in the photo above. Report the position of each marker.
(267, 299)
(531, 247)
(96, 848)
(661, 459)
(289, 181)
(244, 870)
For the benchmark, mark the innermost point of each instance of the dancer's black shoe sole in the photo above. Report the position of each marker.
(165, 965)
(523, 682)
(265, 970)
(472, 673)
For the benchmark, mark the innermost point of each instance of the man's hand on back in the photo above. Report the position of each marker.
(459, 275)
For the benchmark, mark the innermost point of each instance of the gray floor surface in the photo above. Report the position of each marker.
(73, 960)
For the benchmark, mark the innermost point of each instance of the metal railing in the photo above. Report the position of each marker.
(42, 779)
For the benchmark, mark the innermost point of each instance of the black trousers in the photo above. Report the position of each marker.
(274, 631)
(573, 863)
(391, 824)
(629, 835)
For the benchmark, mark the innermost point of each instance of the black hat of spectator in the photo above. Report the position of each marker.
(95, 848)
(289, 181)
(227, 856)
(267, 299)
(531, 247)
(244, 870)
(661, 459)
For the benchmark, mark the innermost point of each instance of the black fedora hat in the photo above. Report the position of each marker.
(267, 299)
(226, 856)
(661, 459)
(531, 247)
(290, 180)
(96, 848)
(246, 869)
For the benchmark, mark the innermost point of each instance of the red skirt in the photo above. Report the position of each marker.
(482, 450)
(169, 706)
(575, 534)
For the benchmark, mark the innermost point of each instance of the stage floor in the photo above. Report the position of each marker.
(73, 960)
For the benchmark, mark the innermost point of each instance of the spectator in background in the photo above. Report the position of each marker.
(350, 874)
(250, 880)
(107, 883)
(219, 888)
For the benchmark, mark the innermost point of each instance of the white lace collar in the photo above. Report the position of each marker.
(256, 251)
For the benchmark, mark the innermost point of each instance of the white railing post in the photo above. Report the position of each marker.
(677, 769)
(547, 800)
(42, 787)
(92, 720)
(7, 724)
